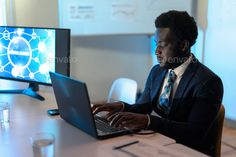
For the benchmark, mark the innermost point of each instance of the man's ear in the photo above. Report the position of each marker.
(184, 46)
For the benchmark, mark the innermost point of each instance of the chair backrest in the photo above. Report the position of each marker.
(214, 134)
(123, 89)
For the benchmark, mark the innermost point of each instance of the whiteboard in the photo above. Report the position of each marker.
(104, 17)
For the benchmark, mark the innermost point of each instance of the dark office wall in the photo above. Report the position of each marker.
(98, 60)
(102, 59)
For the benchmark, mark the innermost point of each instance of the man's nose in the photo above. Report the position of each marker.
(158, 51)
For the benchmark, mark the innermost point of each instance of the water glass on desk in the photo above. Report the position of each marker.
(4, 113)
(43, 145)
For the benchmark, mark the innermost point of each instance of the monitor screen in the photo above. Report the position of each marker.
(28, 54)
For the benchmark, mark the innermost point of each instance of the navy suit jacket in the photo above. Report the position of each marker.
(195, 104)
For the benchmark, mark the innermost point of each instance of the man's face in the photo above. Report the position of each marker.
(166, 51)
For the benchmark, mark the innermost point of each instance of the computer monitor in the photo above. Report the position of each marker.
(28, 54)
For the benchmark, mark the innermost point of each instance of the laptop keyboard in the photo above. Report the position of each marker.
(103, 126)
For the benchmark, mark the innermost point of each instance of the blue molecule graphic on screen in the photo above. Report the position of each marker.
(19, 51)
(27, 53)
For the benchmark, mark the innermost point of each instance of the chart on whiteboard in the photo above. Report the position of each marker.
(88, 17)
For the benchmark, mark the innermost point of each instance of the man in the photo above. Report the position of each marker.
(184, 93)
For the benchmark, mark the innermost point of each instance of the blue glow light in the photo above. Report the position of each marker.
(220, 50)
(27, 53)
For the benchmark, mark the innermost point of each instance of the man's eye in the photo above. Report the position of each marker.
(162, 44)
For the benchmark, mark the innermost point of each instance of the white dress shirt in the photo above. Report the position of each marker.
(179, 71)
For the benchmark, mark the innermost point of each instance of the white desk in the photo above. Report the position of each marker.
(28, 116)
(185, 150)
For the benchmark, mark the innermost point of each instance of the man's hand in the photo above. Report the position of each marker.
(110, 107)
(128, 120)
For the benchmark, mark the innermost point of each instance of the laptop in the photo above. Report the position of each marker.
(75, 108)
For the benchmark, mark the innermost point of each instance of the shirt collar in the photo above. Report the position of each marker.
(179, 71)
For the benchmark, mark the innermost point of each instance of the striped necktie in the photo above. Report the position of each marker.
(164, 99)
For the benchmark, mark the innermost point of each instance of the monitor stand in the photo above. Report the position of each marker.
(30, 91)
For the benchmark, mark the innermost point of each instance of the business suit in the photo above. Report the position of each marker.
(194, 106)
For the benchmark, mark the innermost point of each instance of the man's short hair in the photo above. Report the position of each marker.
(181, 24)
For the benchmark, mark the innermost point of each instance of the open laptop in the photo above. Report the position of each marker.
(74, 107)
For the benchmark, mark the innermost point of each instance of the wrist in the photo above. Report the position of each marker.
(148, 120)
(122, 106)
(119, 106)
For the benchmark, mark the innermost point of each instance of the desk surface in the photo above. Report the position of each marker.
(29, 116)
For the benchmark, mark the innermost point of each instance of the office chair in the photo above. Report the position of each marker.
(214, 134)
(123, 89)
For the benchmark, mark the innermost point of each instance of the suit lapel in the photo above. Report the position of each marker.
(183, 84)
(158, 84)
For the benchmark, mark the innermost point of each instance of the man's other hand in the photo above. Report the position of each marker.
(111, 108)
(128, 120)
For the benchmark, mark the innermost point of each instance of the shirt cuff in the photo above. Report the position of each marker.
(149, 120)
(123, 107)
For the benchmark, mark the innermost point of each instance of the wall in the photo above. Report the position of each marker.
(100, 59)
(35, 13)
(3, 12)
(220, 48)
